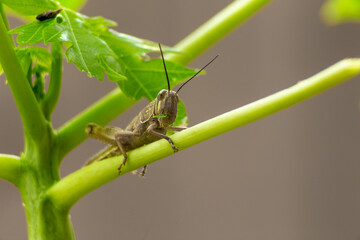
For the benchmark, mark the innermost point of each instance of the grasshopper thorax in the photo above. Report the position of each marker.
(166, 105)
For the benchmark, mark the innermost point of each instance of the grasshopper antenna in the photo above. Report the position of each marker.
(167, 77)
(196, 73)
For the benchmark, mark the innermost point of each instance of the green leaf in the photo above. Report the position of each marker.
(148, 78)
(181, 117)
(340, 11)
(42, 56)
(98, 24)
(30, 7)
(130, 45)
(25, 61)
(144, 78)
(111, 67)
(35, 61)
(32, 33)
(84, 47)
(1, 70)
(95, 49)
(39, 57)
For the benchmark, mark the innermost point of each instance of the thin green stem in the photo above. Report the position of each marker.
(70, 189)
(101, 112)
(215, 29)
(53, 92)
(31, 115)
(10, 167)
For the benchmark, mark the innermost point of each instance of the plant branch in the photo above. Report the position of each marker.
(101, 112)
(70, 189)
(215, 29)
(10, 167)
(31, 115)
(53, 92)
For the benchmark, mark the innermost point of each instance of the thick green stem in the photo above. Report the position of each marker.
(40, 172)
(215, 29)
(44, 220)
(38, 168)
(33, 120)
(10, 167)
(53, 92)
(71, 188)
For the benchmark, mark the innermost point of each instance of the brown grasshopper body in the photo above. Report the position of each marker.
(145, 128)
(150, 125)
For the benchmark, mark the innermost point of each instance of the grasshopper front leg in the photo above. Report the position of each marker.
(151, 130)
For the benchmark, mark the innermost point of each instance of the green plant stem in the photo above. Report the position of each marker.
(53, 92)
(101, 112)
(41, 171)
(71, 188)
(2, 12)
(33, 120)
(3, 15)
(215, 29)
(10, 167)
(39, 163)
(44, 220)
(72, 133)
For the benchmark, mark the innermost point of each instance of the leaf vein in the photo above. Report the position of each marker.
(76, 43)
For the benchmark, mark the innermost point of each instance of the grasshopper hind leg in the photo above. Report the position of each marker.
(125, 156)
(123, 139)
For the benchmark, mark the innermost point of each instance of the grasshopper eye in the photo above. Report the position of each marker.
(161, 94)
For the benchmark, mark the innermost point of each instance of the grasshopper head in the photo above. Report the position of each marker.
(166, 106)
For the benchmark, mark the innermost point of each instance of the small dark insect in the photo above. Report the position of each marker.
(48, 14)
(150, 125)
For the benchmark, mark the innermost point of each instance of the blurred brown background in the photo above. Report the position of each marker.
(293, 175)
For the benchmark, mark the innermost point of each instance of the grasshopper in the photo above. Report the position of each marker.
(150, 125)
